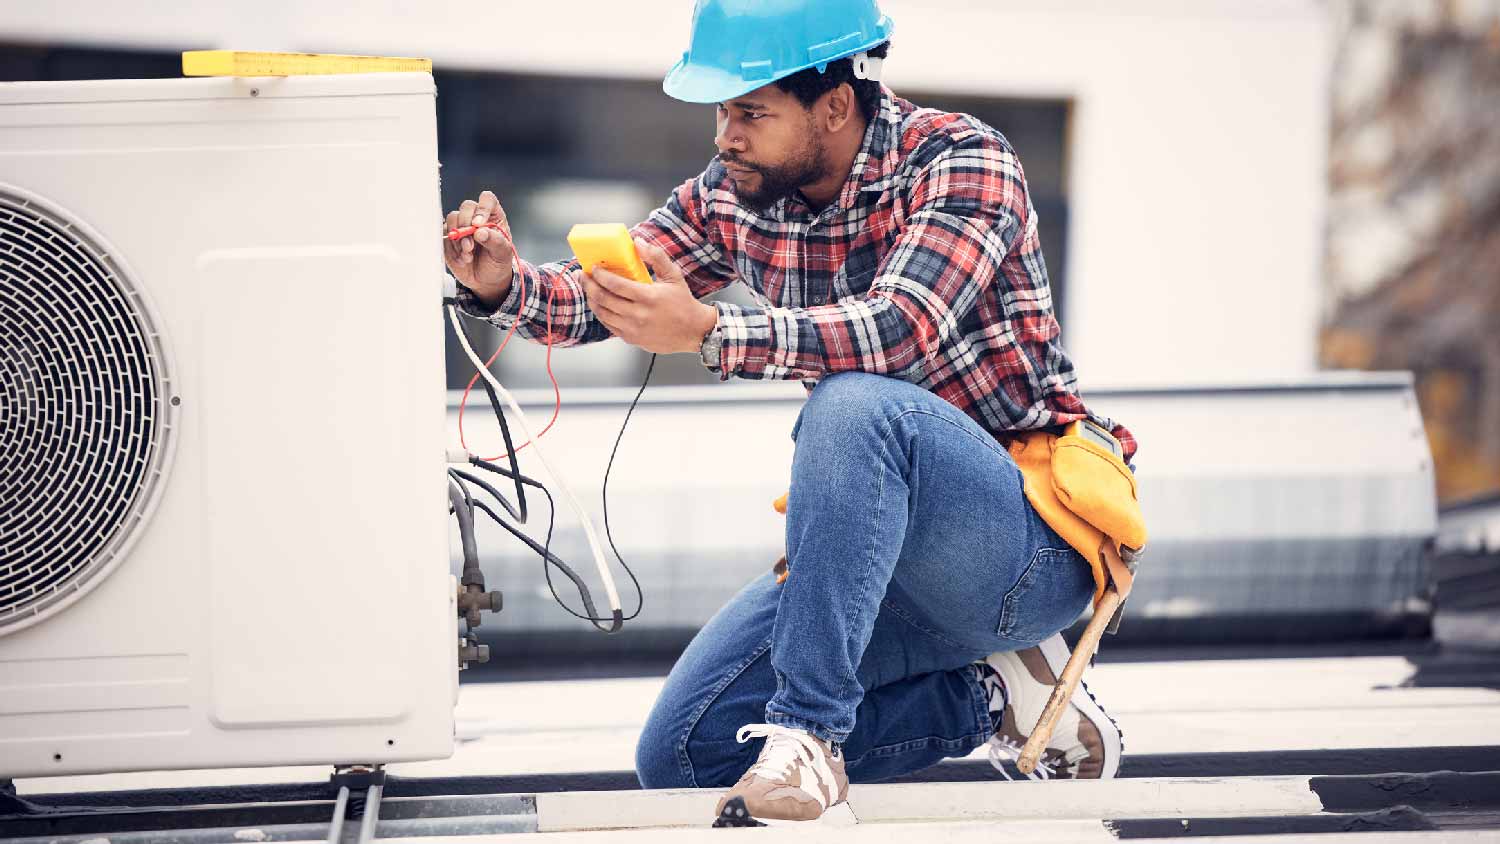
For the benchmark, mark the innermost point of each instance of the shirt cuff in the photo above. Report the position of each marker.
(746, 345)
(501, 315)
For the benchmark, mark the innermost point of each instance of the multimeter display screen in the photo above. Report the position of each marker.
(1092, 432)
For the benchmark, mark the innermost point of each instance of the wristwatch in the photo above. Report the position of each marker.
(713, 344)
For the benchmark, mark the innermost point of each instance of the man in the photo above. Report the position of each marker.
(893, 251)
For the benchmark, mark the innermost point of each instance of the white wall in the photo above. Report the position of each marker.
(1197, 152)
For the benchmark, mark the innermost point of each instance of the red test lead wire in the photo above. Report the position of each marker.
(467, 231)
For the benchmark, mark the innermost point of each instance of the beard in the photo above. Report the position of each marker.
(779, 181)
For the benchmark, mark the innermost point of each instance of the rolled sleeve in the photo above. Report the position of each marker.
(745, 334)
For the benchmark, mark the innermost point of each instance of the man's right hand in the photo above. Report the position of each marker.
(481, 261)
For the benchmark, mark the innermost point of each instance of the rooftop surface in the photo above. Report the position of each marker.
(1405, 743)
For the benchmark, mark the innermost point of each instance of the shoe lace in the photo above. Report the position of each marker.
(1005, 749)
(785, 747)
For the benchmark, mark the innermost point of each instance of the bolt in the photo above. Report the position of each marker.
(254, 92)
(497, 602)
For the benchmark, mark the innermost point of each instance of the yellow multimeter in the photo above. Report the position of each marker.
(608, 245)
(1089, 430)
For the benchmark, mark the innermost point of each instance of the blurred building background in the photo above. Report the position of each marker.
(1412, 274)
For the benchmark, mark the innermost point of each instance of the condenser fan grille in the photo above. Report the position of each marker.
(86, 409)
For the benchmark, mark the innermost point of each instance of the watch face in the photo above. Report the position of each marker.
(710, 348)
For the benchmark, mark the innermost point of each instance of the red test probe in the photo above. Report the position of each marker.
(468, 231)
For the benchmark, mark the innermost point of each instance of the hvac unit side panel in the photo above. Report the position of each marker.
(305, 556)
(215, 201)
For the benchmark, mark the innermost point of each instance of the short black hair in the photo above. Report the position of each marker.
(808, 85)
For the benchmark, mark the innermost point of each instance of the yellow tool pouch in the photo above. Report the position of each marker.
(1088, 495)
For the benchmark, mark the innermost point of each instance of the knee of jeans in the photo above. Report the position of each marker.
(844, 402)
(656, 762)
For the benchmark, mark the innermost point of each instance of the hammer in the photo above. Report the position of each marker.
(1062, 693)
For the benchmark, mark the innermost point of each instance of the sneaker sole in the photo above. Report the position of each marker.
(1055, 651)
(736, 815)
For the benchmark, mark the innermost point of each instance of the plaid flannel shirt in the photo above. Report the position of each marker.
(926, 267)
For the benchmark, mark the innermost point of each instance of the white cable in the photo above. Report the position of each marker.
(588, 525)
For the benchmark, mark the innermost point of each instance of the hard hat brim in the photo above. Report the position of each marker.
(695, 83)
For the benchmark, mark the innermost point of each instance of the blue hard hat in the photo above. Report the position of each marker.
(740, 45)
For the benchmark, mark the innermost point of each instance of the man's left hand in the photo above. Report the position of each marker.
(661, 317)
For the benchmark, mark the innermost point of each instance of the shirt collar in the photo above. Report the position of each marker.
(876, 161)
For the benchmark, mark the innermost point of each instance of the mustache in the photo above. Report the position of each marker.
(725, 158)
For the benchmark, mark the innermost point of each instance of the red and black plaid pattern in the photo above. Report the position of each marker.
(927, 267)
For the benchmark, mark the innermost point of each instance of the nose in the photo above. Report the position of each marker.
(726, 137)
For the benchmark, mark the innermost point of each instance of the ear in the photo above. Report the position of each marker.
(839, 107)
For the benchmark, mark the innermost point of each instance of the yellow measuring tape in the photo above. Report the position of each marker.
(248, 63)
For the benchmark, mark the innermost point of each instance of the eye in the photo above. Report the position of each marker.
(752, 116)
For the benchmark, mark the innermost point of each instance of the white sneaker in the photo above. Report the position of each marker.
(1086, 744)
(796, 778)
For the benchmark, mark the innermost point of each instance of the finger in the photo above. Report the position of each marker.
(499, 217)
(494, 247)
(615, 331)
(451, 253)
(450, 249)
(592, 291)
(604, 302)
(489, 205)
(465, 218)
(620, 286)
(658, 260)
(609, 321)
(616, 323)
(597, 293)
(498, 246)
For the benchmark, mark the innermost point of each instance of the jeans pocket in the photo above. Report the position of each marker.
(1049, 596)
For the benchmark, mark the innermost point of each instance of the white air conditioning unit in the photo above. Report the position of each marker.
(223, 509)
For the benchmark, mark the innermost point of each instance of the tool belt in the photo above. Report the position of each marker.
(1085, 493)
(1088, 495)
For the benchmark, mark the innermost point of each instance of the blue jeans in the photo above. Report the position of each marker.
(913, 552)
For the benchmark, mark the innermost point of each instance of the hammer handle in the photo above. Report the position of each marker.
(1062, 693)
